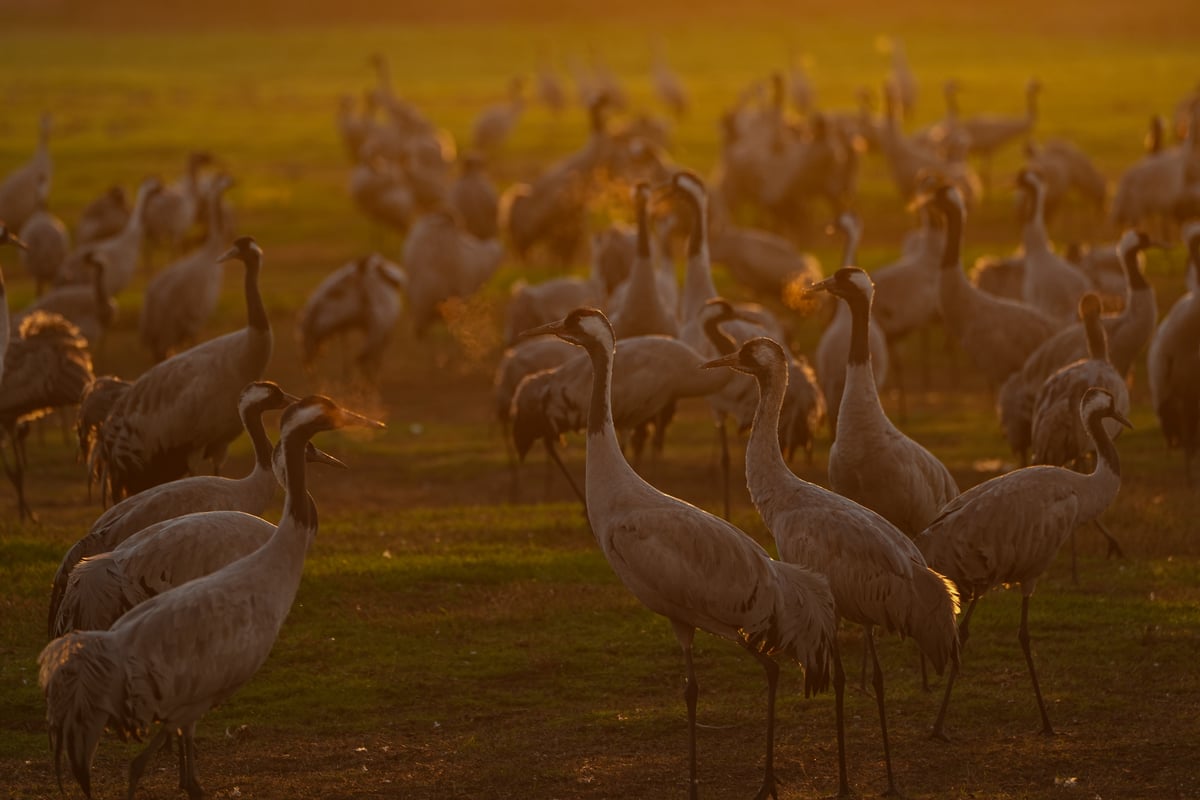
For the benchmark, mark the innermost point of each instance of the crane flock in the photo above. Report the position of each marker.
(173, 599)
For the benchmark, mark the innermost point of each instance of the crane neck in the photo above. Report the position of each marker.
(256, 311)
(764, 456)
(1034, 234)
(298, 505)
(850, 248)
(252, 422)
(860, 330)
(1097, 339)
(1107, 460)
(951, 251)
(721, 340)
(1133, 271)
(600, 418)
(643, 229)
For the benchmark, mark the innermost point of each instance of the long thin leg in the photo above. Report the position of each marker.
(16, 474)
(138, 765)
(839, 694)
(691, 691)
(877, 682)
(963, 632)
(188, 780)
(862, 678)
(1023, 636)
(552, 451)
(725, 490)
(1074, 564)
(1114, 547)
(769, 784)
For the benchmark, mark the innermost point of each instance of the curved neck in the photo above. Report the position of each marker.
(252, 422)
(256, 312)
(763, 450)
(1097, 340)
(721, 340)
(1133, 272)
(1106, 452)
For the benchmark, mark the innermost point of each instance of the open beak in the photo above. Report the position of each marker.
(348, 419)
(315, 455)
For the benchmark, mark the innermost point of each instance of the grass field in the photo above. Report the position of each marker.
(453, 638)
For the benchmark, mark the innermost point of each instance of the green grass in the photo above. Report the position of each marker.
(477, 646)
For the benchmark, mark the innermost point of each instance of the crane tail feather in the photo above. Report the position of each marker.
(81, 677)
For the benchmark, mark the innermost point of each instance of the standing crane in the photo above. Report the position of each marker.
(178, 654)
(871, 461)
(1008, 530)
(187, 405)
(1174, 362)
(691, 567)
(45, 368)
(249, 494)
(6, 237)
(876, 573)
(997, 334)
(834, 345)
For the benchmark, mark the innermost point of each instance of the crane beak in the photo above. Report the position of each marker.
(229, 255)
(12, 239)
(549, 329)
(1119, 417)
(819, 286)
(730, 360)
(347, 419)
(288, 399)
(315, 455)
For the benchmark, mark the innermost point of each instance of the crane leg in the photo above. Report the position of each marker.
(691, 691)
(725, 490)
(552, 451)
(187, 776)
(769, 788)
(866, 656)
(16, 474)
(138, 765)
(877, 682)
(839, 695)
(1023, 636)
(964, 631)
(1114, 547)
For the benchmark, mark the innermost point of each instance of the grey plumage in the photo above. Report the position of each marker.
(1008, 529)
(186, 407)
(249, 494)
(690, 566)
(876, 574)
(872, 462)
(1173, 362)
(997, 334)
(46, 367)
(178, 654)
